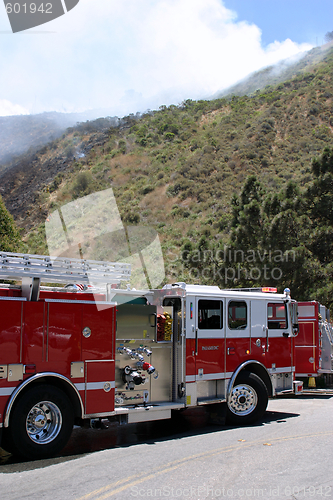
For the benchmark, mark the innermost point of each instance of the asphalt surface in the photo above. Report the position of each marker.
(287, 455)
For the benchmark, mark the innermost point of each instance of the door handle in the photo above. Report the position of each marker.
(231, 350)
(153, 320)
(196, 342)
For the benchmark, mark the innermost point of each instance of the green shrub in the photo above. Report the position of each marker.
(9, 234)
(83, 184)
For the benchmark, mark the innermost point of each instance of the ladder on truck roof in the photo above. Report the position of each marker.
(34, 269)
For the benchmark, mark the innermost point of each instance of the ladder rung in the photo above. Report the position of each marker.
(61, 269)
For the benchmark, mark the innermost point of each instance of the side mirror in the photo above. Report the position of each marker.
(294, 318)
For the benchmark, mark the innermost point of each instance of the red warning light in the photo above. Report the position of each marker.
(268, 289)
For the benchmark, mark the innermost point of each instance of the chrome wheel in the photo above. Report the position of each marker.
(243, 400)
(43, 422)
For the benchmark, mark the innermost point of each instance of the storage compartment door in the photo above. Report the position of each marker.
(98, 352)
(99, 387)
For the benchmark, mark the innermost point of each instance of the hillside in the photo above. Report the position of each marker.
(279, 73)
(177, 169)
(20, 133)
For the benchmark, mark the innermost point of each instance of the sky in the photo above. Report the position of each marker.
(134, 55)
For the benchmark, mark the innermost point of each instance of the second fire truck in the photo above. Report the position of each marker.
(314, 343)
(69, 356)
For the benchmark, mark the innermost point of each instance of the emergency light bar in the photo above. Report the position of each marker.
(265, 289)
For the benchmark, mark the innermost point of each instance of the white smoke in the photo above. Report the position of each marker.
(157, 52)
(7, 108)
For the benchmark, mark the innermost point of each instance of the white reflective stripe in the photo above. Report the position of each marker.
(286, 369)
(93, 386)
(238, 334)
(210, 376)
(6, 391)
(211, 334)
(297, 346)
(276, 334)
(228, 375)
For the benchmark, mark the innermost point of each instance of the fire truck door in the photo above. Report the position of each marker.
(237, 333)
(11, 314)
(307, 341)
(270, 342)
(209, 338)
(34, 332)
(98, 354)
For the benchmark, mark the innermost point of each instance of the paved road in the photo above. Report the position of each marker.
(288, 455)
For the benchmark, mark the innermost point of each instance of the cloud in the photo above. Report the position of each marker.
(103, 52)
(7, 108)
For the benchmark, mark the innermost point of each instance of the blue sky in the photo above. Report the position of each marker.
(300, 20)
(134, 55)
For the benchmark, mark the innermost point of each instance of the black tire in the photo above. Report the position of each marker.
(40, 423)
(248, 399)
(6, 443)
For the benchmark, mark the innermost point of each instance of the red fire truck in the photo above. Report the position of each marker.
(314, 343)
(70, 355)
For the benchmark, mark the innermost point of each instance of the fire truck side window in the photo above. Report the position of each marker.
(210, 314)
(237, 315)
(276, 316)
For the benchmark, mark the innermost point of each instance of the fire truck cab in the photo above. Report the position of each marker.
(237, 346)
(76, 354)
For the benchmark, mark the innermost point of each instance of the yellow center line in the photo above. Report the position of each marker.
(159, 470)
(123, 484)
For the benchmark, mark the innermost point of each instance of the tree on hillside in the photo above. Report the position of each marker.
(319, 198)
(329, 36)
(290, 233)
(268, 237)
(283, 239)
(320, 193)
(9, 234)
(248, 218)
